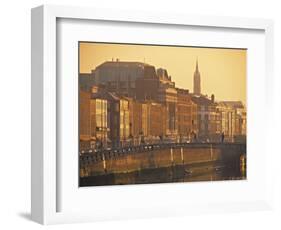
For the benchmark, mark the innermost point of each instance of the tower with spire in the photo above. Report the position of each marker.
(196, 81)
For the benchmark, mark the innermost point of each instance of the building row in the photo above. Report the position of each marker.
(108, 120)
(125, 103)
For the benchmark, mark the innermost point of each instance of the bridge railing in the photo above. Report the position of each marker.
(91, 156)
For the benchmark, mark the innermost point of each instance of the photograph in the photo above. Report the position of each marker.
(151, 113)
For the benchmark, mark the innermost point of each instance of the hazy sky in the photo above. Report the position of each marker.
(223, 71)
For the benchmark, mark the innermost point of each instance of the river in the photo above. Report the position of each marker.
(213, 171)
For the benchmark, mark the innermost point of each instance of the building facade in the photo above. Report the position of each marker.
(147, 85)
(86, 81)
(120, 76)
(99, 122)
(124, 116)
(93, 121)
(187, 115)
(84, 120)
(234, 119)
(167, 95)
(135, 112)
(227, 120)
(207, 119)
(241, 121)
(156, 119)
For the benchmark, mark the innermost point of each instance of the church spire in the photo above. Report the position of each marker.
(197, 80)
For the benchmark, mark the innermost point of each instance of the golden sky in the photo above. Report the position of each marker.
(223, 71)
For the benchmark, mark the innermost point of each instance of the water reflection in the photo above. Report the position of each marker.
(179, 173)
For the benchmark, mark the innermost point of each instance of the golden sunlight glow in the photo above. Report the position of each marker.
(223, 71)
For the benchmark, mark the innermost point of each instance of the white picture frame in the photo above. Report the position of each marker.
(45, 162)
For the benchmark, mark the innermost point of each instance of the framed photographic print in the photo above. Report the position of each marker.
(138, 124)
(140, 114)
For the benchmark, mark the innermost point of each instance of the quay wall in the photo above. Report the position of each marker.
(162, 158)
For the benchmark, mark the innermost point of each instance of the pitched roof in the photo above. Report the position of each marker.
(201, 100)
(105, 95)
(233, 104)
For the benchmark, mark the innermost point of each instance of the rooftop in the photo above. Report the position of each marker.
(118, 63)
(104, 95)
(233, 104)
(201, 100)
